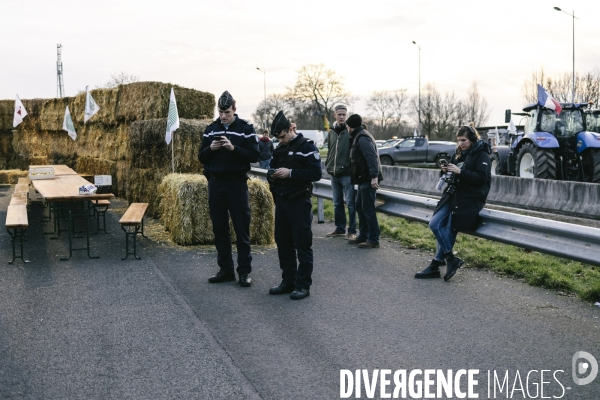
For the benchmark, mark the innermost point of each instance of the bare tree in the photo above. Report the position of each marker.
(587, 86)
(381, 107)
(122, 78)
(321, 86)
(274, 103)
(475, 106)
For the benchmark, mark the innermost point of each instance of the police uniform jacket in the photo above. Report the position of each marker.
(302, 157)
(472, 186)
(225, 164)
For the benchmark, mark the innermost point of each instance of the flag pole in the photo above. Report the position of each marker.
(173, 152)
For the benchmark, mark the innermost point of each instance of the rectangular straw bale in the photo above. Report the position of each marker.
(262, 212)
(149, 150)
(184, 208)
(6, 175)
(142, 187)
(185, 213)
(15, 174)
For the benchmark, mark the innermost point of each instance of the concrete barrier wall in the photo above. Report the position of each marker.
(562, 197)
(573, 198)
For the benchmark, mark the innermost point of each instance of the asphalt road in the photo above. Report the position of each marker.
(155, 329)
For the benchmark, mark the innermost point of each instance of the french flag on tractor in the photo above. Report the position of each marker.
(546, 100)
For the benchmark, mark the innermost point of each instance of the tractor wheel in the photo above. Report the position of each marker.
(387, 160)
(438, 158)
(535, 162)
(496, 166)
(591, 166)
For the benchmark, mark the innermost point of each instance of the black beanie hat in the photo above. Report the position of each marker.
(354, 121)
(280, 123)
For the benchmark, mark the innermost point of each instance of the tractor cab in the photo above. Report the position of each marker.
(592, 121)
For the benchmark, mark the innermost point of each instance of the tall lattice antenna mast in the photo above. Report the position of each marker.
(60, 85)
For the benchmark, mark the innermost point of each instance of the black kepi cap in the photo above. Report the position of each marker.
(280, 123)
(225, 101)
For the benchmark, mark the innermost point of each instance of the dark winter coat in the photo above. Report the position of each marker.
(364, 160)
(224, 163)
(337, 162)
(472, 187)
(265, 148)
(302, 157)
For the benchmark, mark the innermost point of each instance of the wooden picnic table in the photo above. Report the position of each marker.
(63, 191)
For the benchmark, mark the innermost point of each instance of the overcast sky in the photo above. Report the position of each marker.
(217, 45)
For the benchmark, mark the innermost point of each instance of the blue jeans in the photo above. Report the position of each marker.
(264, 164)
(441, 226)
(365, 208)
(343, 190)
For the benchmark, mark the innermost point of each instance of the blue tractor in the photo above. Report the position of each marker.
(552, 146)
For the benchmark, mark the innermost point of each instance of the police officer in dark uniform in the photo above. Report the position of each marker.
(296, 163)
(229, 145)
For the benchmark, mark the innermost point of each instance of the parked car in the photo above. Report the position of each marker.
(380, 143)
(412, 150)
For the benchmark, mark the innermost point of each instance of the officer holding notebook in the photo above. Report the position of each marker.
(229, 145)
(295, 165)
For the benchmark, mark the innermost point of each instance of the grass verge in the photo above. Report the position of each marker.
(535, 268)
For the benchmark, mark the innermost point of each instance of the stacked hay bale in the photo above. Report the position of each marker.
(184, 210)
(102, 144)
(151, 157)
(12, 176)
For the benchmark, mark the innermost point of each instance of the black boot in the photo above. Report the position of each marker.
(432, 270)
(453, 264)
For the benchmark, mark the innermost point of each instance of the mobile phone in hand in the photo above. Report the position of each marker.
(443, 162)
(218, 138)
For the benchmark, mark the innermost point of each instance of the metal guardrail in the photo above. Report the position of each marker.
(561, 239)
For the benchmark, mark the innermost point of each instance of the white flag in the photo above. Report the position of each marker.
(68, 124)
(497, 137)
(91, 107)
(415, 134)
(20, 112)
(512, 128)
(172, 117)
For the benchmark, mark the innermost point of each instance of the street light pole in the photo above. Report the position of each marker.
(571, 15)
(415, 43)
(265, 88)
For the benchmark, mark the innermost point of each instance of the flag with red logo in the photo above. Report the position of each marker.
(20, 112)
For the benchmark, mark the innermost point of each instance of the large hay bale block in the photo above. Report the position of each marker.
(12, 176)
(142, 187)
(149, 149)
(184, 210)
(105, 136)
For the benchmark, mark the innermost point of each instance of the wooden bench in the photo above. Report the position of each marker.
(133, 219)
(16, 219)
(18, 199)
(22, 188)
(100, 208)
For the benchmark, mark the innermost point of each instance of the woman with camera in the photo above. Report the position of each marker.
(468, 184)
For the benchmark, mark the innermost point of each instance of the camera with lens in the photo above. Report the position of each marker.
(448, 178)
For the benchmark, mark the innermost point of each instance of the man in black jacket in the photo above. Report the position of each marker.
(295, 165)
(229, 145)
(366, 172)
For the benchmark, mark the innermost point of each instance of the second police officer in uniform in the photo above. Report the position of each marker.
(295, 165)
(229, 145)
